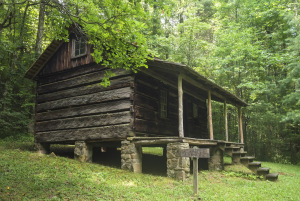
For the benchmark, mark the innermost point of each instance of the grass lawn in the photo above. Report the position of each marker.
(25, 175)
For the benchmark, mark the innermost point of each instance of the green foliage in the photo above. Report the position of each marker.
(114, 28)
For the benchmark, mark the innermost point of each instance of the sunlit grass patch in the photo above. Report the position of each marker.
(25, 175)
(153, 150)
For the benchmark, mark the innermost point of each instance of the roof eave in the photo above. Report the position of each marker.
(38, 65)
(192, 73)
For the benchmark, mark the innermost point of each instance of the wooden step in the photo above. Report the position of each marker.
(272, 176)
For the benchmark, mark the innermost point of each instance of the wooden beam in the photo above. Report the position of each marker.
(204, 87)
(114, 132)
(226, 121)
(159, 77)
(241, 124)
(210, 124)
(180, 107)
(166, 140)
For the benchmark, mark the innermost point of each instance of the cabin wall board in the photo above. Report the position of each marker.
(72, 105)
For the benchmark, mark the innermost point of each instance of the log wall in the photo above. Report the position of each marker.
(72, 105)
(146, 107)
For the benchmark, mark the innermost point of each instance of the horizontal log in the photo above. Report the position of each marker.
(86, 89)
(146, 102)
(156, 141)
(77, 81)
(113, 106)
(161, 128)
(147, 90)
(152, 103)
(99, 97)
(70, 73)
(84, 122)
(166, 140)
(148, 80)
(145, 113)
(151, 87)
(86, 134)
(152, 115)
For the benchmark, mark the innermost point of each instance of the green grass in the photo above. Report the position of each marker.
(153, 150)
(25, 175)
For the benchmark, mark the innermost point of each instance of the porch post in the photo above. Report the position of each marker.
(240, 124)
(211, 133)
(180, 107)
(226, 122)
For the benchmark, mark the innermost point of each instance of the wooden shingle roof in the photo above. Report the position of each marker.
(191, 75)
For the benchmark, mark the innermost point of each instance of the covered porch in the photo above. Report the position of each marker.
(190, 83)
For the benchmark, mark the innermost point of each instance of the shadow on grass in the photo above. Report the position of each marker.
(152, 164)
(63, 150)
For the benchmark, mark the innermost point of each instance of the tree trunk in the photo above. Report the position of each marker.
(40, 31)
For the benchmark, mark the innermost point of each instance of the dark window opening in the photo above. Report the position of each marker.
(78, 47)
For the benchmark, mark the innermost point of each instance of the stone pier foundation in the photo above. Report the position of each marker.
(83, 151)
(131, 157)
(177, 167)
(43, 148)
(215, 162)
(236, 158)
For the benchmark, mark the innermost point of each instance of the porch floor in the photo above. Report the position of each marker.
(150, 141)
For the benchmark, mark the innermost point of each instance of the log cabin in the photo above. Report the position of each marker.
(167, 104)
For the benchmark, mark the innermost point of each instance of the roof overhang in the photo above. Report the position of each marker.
(38, 65)
(198, 80)
(189, 75)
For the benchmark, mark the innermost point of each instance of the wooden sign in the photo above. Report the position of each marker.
(195, 153)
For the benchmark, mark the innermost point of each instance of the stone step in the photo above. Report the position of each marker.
(248, 157)
(242, 153)
(272, 176)
(253, 166)
(233, 147)
(263, 171)
(245, 160)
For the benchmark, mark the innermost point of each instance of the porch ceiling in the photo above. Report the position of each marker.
(192, 77)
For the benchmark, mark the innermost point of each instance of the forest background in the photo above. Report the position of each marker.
(251, 48)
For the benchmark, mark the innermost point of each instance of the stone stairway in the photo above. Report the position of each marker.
(239, 156)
